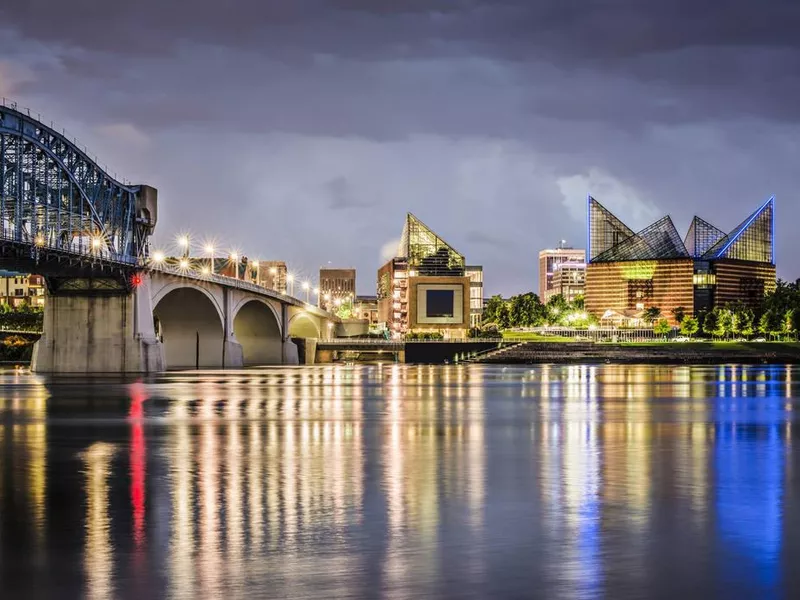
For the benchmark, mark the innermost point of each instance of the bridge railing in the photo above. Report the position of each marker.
(75, 247)
(232, 282)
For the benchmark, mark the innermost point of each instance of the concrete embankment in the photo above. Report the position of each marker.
(656, 353)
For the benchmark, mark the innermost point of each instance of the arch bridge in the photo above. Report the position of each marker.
(109, 310)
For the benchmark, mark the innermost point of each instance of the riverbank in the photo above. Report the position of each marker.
(648, 353)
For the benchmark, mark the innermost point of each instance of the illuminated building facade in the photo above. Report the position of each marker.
(272, 275)
(425, 288)
(550, 261)
(569, 281)
(628, 272)
(475, 274)
(336, 287)
(17, 289)
(366, 309)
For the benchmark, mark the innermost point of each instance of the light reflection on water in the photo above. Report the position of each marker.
(402, 481)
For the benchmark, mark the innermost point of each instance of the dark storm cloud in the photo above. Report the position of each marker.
(343, 196)
(319, 123)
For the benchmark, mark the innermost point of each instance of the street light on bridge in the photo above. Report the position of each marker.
(210, 251)
(290, 281)
(307, 288)
(158, 257)
(257, 267)
(184, 242)
(235, 259)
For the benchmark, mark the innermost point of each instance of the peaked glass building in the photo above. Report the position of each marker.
(629, 271)
(428, 287)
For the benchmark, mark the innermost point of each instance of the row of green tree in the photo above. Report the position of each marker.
(778, 316)
(527, 310)
(21, 318)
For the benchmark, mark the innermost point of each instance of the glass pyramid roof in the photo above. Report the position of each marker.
(751, 240)
(605, 230)
(429, 254)
(658, 240)
(610, 240)
(701, 236)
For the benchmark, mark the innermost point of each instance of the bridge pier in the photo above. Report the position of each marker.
(96, 330)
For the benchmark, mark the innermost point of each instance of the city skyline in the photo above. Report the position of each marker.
(476, 123)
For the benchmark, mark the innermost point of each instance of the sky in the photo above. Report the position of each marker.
(304, 131)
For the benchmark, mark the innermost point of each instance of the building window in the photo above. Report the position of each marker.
(705, 279)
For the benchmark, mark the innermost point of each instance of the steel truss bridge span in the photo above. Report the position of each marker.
(60, 212)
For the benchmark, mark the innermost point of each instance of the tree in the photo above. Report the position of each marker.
(746, 318)
(557, 310)
(526, 310)
(789, 323)
(679, 314)
(504, 316)
(689, 326)
(651, 315)
(662, 328)
(492, 308)
(725, 322)
(764, 323)
(711, 323)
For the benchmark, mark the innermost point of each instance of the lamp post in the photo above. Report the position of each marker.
(307, 288)
(257, 267)
(210, 252)
(235, 259)
(184, 242)
(290, 281)
(316, 293)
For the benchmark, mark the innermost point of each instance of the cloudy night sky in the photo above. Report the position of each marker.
(304, 130)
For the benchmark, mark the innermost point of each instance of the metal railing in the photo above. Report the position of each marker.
(237, 283)
(385, 342)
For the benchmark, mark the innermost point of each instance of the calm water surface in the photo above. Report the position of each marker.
(403, 482)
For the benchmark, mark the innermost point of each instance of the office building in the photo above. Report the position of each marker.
(424, 289)
(366, 309)
(569, 281)
(549, 261)
(336, 287)
(629, 272)
(272, 275)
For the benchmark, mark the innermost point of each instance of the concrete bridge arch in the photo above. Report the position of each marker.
(304, 325)
(189, 322)
(257, 328)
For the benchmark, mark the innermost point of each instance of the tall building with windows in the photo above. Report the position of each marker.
(425, 288)
(475, 275)
(569, 281)
(336, 286)
(629, 272)
(550, 260)
(272, 275)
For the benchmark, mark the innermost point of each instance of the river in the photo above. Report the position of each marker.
(606, 481)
